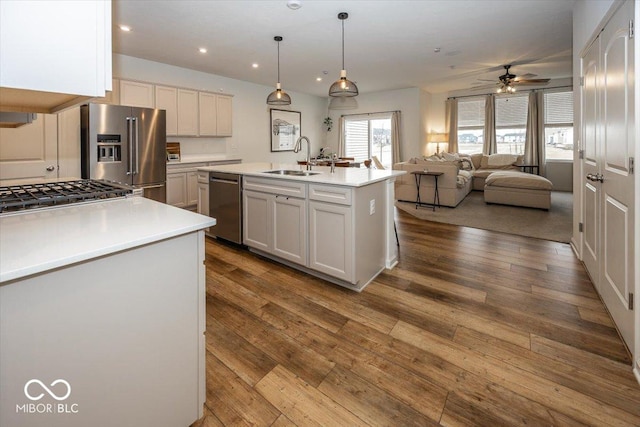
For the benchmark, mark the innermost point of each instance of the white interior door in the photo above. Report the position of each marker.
(617, 188)
(30, 152)
(590, 164)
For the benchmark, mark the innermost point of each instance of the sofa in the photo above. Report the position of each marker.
(453, 185)
(484, 165)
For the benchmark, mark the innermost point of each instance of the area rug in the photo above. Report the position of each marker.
(555, 224)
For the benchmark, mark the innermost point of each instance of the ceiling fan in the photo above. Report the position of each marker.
(508, 81)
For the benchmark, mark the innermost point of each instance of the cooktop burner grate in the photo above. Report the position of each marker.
(27, 196)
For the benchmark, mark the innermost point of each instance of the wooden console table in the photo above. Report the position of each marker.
(436, 197)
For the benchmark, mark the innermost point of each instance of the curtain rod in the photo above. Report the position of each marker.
(522, 91)
(368, 114)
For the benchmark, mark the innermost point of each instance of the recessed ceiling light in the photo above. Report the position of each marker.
(437, 50)
(125, 28)
(294, 4)
(255, 65)
(318, 79)
(202, 50)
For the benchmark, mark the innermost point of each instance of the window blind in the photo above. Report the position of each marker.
(471, 113)
(357, 139)
(558, 108)
(511, 112)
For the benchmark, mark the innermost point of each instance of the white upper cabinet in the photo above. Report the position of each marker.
(208, 119)
(53, 54)
(167, 99)
(215, 114)
(187, 112)
(136, 94)
(224, 115)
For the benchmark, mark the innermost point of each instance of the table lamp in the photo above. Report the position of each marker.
(438, 138)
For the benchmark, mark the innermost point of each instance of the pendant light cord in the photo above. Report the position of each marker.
(278, 62)
(343, 44)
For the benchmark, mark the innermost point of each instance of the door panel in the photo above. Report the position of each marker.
(618, 197)
(590, 140)
(590, 229)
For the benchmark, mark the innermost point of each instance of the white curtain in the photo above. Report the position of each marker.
(451, 124)
(534, 140)
(341, 137)
(489, 146)
(395, 138)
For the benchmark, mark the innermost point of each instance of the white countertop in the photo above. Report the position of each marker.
(204, 158)
(35, 241)
(350, 177)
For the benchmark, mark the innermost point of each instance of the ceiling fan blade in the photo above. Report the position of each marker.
(531, 82)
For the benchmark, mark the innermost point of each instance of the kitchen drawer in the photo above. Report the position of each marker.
(331, 194)
(203, 177)
(276, 186)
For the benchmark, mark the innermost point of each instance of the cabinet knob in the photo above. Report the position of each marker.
(51, 168)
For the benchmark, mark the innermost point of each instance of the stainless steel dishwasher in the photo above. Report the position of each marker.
(225, 205)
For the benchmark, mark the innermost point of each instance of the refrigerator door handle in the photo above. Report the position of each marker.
(130, 151)
(137, 146)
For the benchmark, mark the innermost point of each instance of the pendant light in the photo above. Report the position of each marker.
(343, 87)
(278, 96)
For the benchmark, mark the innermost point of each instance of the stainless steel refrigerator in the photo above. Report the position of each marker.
(127, 145)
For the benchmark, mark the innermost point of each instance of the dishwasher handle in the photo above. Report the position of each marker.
(224, 181)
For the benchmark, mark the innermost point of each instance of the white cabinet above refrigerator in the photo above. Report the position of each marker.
(53, 55)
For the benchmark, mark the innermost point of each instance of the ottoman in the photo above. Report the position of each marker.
(518, 189)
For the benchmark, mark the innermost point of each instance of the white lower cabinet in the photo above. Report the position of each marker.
(331, 235)
(177, 189)
(188, 188)
(275, 218)
(331, 239)
(336, 232)
(203, 193)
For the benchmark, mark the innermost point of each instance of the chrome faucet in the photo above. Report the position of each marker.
(298, 147)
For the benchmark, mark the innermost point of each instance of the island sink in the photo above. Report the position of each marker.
(292, 172)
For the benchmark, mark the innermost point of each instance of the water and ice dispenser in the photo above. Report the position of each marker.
(109, 148)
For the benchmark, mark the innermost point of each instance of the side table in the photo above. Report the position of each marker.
(436, 197)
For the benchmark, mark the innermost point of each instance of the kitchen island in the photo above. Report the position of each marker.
(102, 315)
(335, 225)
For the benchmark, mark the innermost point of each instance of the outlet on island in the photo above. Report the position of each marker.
(372, 206)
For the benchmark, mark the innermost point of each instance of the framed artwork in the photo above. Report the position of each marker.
(284, 129)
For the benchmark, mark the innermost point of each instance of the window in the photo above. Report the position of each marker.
(365, 138)
(558, 125)
(511, 123)
(470, 125)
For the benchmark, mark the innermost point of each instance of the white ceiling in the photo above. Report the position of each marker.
(388, 44)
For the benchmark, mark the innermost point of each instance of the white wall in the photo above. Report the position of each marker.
(251, 136)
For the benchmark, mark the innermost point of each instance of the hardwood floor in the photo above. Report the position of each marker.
(471, 328)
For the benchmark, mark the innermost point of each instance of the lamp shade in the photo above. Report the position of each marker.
(343, 87)
(278, 97)
(438, 137)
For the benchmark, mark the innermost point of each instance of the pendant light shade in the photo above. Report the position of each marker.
(278, 96)
(343, 87)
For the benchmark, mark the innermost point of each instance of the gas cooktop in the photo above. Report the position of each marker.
(29, 196)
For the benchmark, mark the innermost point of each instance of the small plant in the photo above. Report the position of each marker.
(328, 123)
